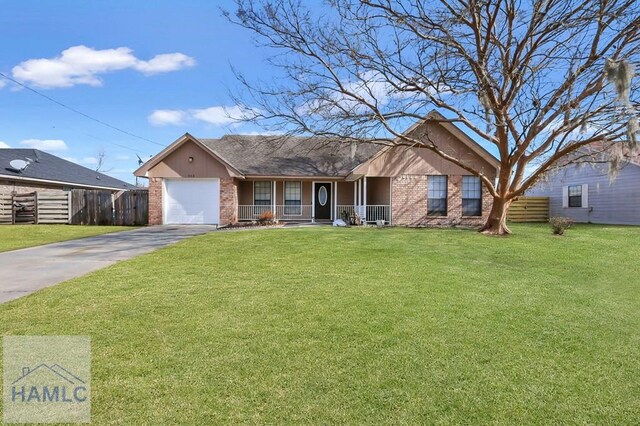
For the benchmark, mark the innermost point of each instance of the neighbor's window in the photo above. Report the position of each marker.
(575, 196)
(262, 193)
(293, 198)
(436, 196)
(471, 196)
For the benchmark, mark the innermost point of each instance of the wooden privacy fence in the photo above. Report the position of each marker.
(529, 209)
(78, 207)
(6, 209)
(95, 207)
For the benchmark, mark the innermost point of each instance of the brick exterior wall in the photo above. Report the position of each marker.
(409, 203)
(155, 201)
(408, 200)
(228, 201)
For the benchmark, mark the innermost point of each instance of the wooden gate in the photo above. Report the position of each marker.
(132, 208)
(25, 208)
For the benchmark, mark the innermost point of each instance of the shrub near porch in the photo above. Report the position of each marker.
(389, 325)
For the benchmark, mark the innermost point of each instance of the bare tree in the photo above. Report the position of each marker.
(100, 164)
(539, 80)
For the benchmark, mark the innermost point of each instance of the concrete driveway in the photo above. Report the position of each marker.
(27, 270)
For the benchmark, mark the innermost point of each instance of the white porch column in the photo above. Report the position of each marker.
(355, 193)
(273, 202)
(313, 202)
(364, 201)
(335, 202)
(390, 198)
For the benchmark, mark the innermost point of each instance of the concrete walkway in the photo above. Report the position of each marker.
(27, 270)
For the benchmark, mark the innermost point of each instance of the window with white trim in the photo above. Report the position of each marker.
(437, 195)
(471, 196)
(293, 198)
(262, 193)
(575, 195)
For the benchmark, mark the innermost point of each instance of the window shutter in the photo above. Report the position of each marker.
(565, 197)
(585, 196)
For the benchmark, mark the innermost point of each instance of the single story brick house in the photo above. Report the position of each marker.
(44, 172)
(311, 179)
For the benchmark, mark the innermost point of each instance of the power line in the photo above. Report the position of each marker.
(97, 138)
(80, 112)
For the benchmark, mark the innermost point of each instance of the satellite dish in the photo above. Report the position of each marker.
(18, 165)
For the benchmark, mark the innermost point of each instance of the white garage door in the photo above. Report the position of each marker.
(191, 201)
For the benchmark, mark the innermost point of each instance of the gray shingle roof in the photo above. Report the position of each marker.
(49, 167)
(290, 156)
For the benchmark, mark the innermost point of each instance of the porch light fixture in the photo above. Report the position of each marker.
(191, 159)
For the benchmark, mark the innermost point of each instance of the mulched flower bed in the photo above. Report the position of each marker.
(246, 225)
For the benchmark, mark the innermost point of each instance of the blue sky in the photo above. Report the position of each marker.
(102, 58)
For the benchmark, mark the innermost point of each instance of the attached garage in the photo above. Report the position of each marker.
(191, 201)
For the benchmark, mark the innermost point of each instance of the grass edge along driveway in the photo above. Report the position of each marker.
(15, 237)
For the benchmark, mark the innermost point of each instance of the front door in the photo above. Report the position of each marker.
(322, 194)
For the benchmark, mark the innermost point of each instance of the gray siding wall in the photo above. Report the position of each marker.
(616, 202)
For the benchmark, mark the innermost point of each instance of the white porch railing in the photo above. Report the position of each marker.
(373, 212)
(253, 212)
(378, 212)
(346, 208)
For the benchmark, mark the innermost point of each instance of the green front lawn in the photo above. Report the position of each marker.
(13, 237)
(324, 325)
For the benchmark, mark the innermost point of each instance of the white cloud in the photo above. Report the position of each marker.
(370, 86)
(2, 83)
(218, 115)
(45, 144)
(215, 115)
(4, 145)
(165, 63)
(84, 65)
(167, 117)
(122, 157)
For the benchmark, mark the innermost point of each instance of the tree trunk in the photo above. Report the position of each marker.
(497, 221)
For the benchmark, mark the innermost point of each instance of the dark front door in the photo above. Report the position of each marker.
(323, 201)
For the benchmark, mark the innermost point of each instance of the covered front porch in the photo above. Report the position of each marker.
(307, 200)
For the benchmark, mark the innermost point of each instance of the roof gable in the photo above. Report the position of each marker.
(434, 116)
(142, 170)
(430, 120)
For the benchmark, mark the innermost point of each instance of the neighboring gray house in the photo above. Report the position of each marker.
(46, 172)
(586, 194)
